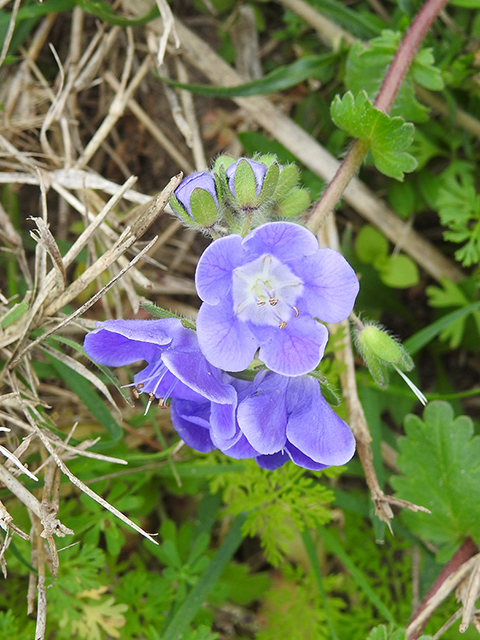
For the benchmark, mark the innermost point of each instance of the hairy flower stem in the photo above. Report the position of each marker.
(388, 92)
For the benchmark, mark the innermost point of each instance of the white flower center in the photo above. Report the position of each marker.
(265, 292)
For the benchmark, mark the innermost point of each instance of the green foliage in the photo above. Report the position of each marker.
(381, 633)
(397, 271)
(294, 609)
(451, 295)
(366, 67)
(440, 462)
(458, 206)
(278, 503)
(387, 137)
(103, 11)
(281, 78)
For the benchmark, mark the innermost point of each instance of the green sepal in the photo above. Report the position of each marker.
(378, 369)
(381, 344)
(267, 159)
(269, 183)
(159, 312)
(245, 184)
(204, 209)
(287, 180)
(295, 203)
(380, 351)
(223, 162)
(328, 391)
(181, 212)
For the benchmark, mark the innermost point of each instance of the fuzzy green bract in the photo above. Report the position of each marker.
(440, 462)
(388, 138)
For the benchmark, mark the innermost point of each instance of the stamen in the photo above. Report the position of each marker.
(261, 303)
(151, 396)
(140, 385)
(273, 301)
(283, 325)
(164, 403)
(297, 312)
(136, 393)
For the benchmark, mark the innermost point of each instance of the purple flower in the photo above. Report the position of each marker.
(176, 368)
(277, 419)
(259, 172)
(267, 291)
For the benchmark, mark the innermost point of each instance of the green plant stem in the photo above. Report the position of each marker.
(391, 84)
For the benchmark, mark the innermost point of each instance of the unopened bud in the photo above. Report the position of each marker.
(195, 200)
(381, 352)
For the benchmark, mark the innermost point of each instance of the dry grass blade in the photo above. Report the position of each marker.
(84, 307)
(73, 179)
(443, 592)
(53, 525)
(46, 238)
(35, 506)
(11, 29)
(13, 458)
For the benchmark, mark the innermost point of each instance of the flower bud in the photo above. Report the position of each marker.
(195, 200)
(245, 180)
(381, 352)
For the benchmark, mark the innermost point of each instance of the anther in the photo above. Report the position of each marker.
(282, 325)
(151, 396)
(261, 303)
(140, 385)
(163, 403)
(297, 313)
(273, 301)
(136, 393)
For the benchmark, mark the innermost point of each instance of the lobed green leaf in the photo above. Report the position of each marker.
(388, 137)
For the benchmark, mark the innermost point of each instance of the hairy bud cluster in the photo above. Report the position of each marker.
(238, 195)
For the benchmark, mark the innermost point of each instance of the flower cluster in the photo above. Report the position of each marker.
(264, 297)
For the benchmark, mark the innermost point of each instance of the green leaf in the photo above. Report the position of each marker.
(313, 557)
(190, 607)
(14, 314)
(243, 586)
(370, 244)
(388, 137)
(469, 4)
(105, 13)
(366, 67)
(399, 272)
(425, 73)
(333, 543)
(426, 335)
(458, 206)
(451, 295)
(37, 9)
(402, 197)
(281, 78)
(440, 462)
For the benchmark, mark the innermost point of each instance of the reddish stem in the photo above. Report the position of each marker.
(466, 550)
(406, 52)
(391, 84)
